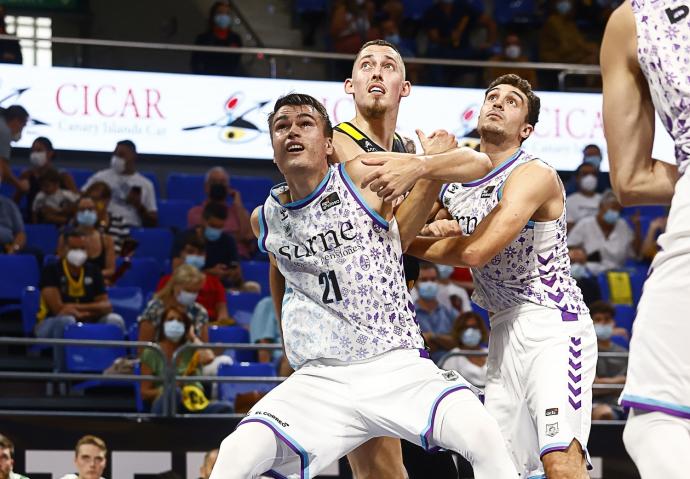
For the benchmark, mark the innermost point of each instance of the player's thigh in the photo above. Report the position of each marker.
(378, 458)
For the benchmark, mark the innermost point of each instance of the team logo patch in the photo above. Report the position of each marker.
(488, 191)
(552, 429)
(283, 214)
(552, 412)
(369, 147)
(330, 201)
(450, 375)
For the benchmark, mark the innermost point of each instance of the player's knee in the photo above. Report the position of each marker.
(246, 453)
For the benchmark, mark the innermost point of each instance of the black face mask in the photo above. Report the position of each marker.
(218, 192)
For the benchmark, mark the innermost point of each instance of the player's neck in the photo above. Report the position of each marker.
(498, 153)
(380, 130)
(302, 184)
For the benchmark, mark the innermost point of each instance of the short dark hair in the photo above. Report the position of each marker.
(128, 143)
(6, 443)
(51, 175)
(533, 101)
(106, 192)
(302, 99)
(215, 210)
(194, 241)
(16, 112)
(45, 142)
(427, 265)
(602, 307)
(91, 440)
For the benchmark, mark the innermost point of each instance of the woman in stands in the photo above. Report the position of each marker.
(471, 333)
(99, 245)
(174, 330)
(110, 219)
(41, 159)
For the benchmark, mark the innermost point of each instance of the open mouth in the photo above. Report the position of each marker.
(293, 147)
(377, 88)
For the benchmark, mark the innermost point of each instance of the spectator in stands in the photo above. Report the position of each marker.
(111, 216)
(219, 33)
(12, 236)
(264, 329)
(7, 459)
(72, 290)
(649, 247)
(41, 159)
(511, 51)
(133, 193)
(584, 278)
(212, 293)
(351, 25)
(237, 224)
(609, 370)
(89, 458)
(10, 51)
(472, 334)
(450, 295)
(585, 201)
(13, 119)
(174, 329)
(435, 320)
(207, 466)
(53, 204)
(560, 39)
(606, 238)
(591, 155)
(100, 246)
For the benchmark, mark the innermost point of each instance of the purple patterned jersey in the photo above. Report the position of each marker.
(663, 50)
(534, 268)
(345, 295)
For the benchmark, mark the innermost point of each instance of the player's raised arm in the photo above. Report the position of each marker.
(629, 116)
(498, 229)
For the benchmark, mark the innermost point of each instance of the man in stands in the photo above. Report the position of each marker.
(130, 190)
(89, 458)
(7, 459)
(13, 119)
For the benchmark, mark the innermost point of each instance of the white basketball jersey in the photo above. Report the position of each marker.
(663, 50)
(345, 296)
(534, 267)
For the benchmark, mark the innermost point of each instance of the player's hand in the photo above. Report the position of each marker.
(438, 142)
(392, 178)
(658, 224)
(441, 229)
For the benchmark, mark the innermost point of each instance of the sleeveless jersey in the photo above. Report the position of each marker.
(663, 51)
(533, 268)
(366, 143)
(345, 296)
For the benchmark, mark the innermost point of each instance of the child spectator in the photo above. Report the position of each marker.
(53, 204)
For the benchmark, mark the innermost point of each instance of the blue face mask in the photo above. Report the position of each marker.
(444, 271)
(87, 217)
(173, 330)
(563, 7)
(579, 271)
(594, 160)
(222, 20)
(471, 337)
(603, 331)
(427, 289)
(196, 260)
(612, 216)
(212, 234)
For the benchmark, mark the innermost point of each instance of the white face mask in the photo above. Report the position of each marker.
(77, 257)
(118, 164)
(38, 158)
(589, 183)
(173, 330)
(513, 51)
(186, 297)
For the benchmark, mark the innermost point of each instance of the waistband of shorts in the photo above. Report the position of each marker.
(422, 353)
(515, 312)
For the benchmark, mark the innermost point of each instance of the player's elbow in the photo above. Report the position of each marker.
(474, 257)
(628, 192)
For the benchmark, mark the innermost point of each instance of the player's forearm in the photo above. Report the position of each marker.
(412, 214)
(97, 308)
(634, 184)
(439, 250)
(459, 165)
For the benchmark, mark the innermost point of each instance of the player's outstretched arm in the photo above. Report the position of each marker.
(519, 203)
(629, 116)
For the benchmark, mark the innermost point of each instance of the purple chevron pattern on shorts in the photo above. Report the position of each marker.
(574, 387)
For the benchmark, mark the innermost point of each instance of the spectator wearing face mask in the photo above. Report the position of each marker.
(41, 159)
(110, 216)
(586, 281)
(471, 333)
(13, 119)
(585, 201)
(219, 33)
(609, 370)
(513, 52)
(450, 295)
(72, 290)
(237, 224)
(212, 293)
(591, 155)
(53, 204)
(606, 238)
(561, 41)
(133, 196)
(435, 320)
(100, 247)
(173, 330)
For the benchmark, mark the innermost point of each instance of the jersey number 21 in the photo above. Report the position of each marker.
(328, 281)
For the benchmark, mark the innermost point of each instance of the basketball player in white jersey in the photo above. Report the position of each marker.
(510, 229)
(644, 65)
(348, 323)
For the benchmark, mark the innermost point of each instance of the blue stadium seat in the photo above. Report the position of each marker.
(24, 272)
(89, 358)
(127, 301)
(254, 189)
(228, 391)
(620, 341)
(5, 188)
(80, 175)
(173, 213)
(180, 186)
(43, 237)
(625, 315)
(245, 302)
(143, 273)
(637, 279)
(481, 312)
(512, 11)
(232, 334)
(256, 271)
(415, 9)
(154, 179)
(154, 243)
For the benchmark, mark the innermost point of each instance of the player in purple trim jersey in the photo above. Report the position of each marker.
(645, 67)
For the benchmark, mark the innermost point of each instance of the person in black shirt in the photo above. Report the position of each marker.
(218, 34)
